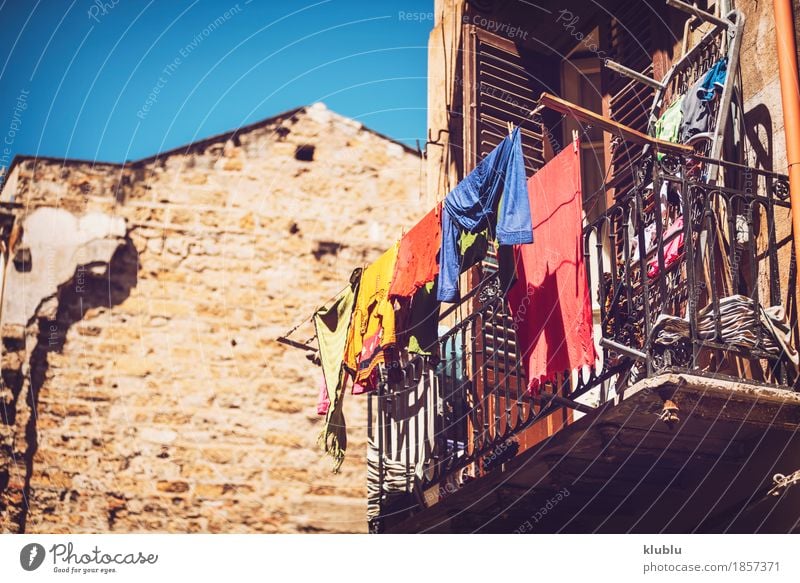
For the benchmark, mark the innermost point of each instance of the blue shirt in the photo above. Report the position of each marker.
(472, 204)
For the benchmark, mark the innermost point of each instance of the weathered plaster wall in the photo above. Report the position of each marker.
(162, 400)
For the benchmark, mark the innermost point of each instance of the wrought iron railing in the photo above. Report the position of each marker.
(669, 294)
(712, 263)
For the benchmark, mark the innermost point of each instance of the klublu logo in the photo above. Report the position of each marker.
(31, 556)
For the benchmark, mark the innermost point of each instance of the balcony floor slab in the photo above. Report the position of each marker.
(622, 469)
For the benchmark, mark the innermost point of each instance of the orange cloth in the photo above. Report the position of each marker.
(550, 300)
(373, 318)
(416, 258)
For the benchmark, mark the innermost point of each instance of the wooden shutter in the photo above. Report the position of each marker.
(498, 88)
(631, 43)
(502, 85)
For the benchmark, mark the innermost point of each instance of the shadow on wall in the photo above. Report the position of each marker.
(758, 129)
(93, 285)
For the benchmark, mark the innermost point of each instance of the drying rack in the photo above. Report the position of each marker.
(723, 39)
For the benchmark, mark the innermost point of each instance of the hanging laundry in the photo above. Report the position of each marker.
(323, 400)
(452, 360)
(696, 109)
(696, 114)
(669, 124)
(473, 248)
(650, 229)
(366, 385)
(472, 205)
(332, 329)
(550, 301)
(423, 320)
(416, 257)
(403, 467)
(714, 80)
(672, 250)
(373, 324)
(741, 324)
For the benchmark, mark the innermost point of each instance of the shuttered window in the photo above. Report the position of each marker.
(501, 85)
(498, 88)
(631, 43)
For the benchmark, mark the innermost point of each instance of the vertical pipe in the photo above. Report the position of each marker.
(458, 398)
(790, 99)
(452, 382)
(507, 323)
(639, 198)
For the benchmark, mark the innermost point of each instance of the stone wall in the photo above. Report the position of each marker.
(162, 401)
(765, 140)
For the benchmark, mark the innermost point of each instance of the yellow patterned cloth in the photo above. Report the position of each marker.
(373, 324)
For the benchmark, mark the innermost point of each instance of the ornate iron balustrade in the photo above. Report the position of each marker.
(695, 299)
(669, 294)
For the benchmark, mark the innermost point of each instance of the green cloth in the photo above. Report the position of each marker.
(423, 321)
(332, 325)
(473, 248)
(669, 124)
(423, 314)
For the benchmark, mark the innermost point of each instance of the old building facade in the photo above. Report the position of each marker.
(643, 439)
(143, 389)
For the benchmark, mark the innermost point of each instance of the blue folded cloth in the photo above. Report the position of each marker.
(714, 80)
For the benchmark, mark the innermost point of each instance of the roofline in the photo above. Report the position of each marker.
(218, 137)
(186, 147)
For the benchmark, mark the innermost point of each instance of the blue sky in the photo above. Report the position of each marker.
(118, 80)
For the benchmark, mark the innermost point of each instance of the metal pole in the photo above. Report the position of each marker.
(790, 98)
(635, 75)
(694, 11)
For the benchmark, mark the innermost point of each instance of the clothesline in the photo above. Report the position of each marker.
(407, 283)
(565, 108)
(546, 100)
(284, 339)
(394, 304)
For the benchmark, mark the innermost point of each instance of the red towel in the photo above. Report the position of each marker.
(416, 258)
(550, 300)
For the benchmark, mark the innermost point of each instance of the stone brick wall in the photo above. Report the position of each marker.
(765, 140)
(162, 400)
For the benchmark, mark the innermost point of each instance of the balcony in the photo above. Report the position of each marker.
(695, 361)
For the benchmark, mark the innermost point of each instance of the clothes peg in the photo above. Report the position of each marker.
(575, 141)
(510, 127)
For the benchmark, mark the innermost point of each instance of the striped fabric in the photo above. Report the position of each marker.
(769, 332)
